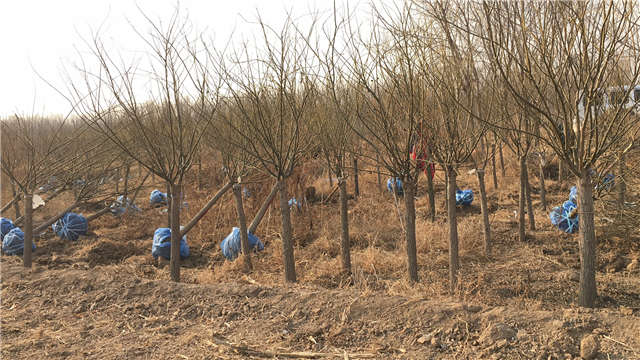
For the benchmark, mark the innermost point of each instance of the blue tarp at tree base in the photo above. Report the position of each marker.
(464, 197)
(13, 242)
(162, 244)
(6, 225)
(573, 195)
(119, 207)
(158, 197)
(399, 190)
(560, 217)
(293, 202)
(607, 183)
(71, 226)
(232, 245)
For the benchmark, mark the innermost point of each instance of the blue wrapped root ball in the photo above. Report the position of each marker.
(398, 184)
(157, 197)
(231, 246)
(71, 226)
(6, 225)
(120, 206)
(573, 195)
(13, 242)
(464, 197)
(294, 204)
(162, 244)
(607, 183)
(565, 217)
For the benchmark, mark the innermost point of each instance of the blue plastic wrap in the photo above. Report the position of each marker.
(13, 242)
(6, 225)
(399, 190)
(232, 245)
(157, 197)
(464, 197)
(293, 203)
(120, 206)
(573, 195)
(162, 244)
(607, 183)
(560, 217)
(71, 226)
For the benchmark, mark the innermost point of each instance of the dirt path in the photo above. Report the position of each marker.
(108, 312)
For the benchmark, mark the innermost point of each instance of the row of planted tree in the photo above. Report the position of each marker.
(446, 81)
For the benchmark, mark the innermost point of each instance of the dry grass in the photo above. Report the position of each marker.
(513, 274)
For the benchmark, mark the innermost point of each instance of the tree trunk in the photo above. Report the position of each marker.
(432, 195)
(263, 210)
(206, 208)
(560, 170)
(410, 217)
(287, 234)
(169, 202)
(356, 183)
(174, 212)
(242, 220)
(531, 215)
(501, 160)
(446, 187)
(135, 193)
(126, 183)
(522, 201)
(199, 171)
(55, 194)
(345, 242)
(493, 168)
(622, 186)
(28, 229)
(380, 188)
(16, 204)
(98, 214)
(485, 213)
(330, 179)
(587, 294)
(118, 181)
(16, 199)
(454, 262)
(543, 188)
(55, 218)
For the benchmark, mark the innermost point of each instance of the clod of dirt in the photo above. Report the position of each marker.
(616, 265)
(424, 339)
(106, 251)
(589, 347)
(473, 308)
(571, 275)
(497, 332)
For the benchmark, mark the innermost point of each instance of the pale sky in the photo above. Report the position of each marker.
(42, 36)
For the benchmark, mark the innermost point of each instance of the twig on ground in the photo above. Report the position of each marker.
(245, 350)
(621, 343)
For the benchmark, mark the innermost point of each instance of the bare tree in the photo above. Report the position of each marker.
(335, 114)
(559, 60)
(33, 149)
(383, 72)
(270, 92)
(162, 128)
(453, 106)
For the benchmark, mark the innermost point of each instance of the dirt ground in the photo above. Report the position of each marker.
(104, 297)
